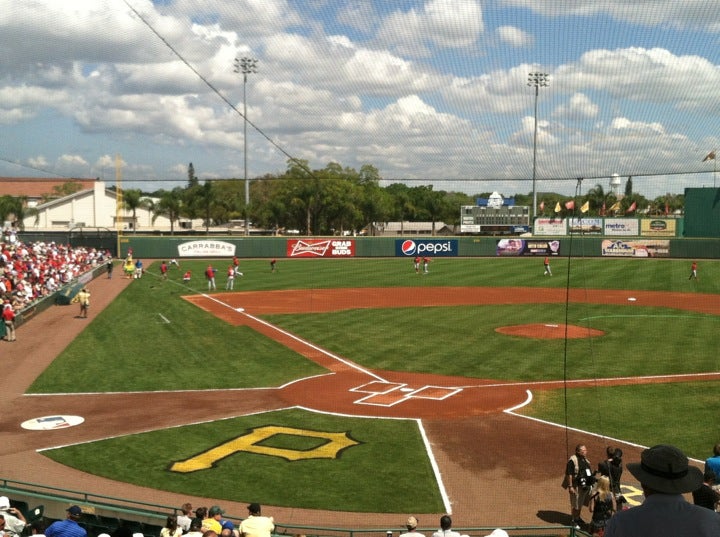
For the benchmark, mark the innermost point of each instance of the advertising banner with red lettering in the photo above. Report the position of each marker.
(320, 248)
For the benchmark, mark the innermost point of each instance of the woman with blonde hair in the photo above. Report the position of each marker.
(602, 505)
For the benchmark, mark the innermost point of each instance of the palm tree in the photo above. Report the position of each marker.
(133, 200)
(18, 208)
(169, 205)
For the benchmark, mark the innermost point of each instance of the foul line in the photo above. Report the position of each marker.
(285, 333)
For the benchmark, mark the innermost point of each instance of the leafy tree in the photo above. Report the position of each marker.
(402, 204)
(629, 187)
(16, 206)
(192, 178)
(66, 188)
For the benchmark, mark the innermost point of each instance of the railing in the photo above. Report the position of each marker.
(57, 499)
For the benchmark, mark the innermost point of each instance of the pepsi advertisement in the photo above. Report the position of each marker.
(426, 247)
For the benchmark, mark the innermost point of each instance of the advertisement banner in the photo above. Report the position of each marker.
(426, 247)
(586, 226)
(206, 248)
(621, 227)
(320, 248)
(550, 226)
(657, 227)
(636, 248)
(514, 247)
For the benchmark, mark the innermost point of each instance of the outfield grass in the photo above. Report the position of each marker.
(151, 339)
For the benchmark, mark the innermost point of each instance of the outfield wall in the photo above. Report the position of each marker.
(214, 247)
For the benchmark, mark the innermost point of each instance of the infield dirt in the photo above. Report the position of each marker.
(498, 469)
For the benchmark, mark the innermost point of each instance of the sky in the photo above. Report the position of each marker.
(428, 92)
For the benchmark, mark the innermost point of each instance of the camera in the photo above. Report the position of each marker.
(586, 481)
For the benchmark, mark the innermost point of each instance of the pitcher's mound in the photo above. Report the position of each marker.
(550, 331)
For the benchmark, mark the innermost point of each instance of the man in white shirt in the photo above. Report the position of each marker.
(445, 528)
(256, 525)
(14, 519)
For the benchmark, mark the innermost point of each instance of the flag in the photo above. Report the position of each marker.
(710, 156)
(570, 205)
(557, 207)
(586, 207)
(602, 211)
(614, 207)
(542, 206)
(632, 207)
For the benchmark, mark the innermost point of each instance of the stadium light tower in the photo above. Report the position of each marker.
(245, 66)
(536, 80)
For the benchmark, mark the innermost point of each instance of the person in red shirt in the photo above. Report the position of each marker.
(416, 264)
(163, 270)
(693, 271)
(546, 263)
(8, 315)
(230, 284)
(210, 276)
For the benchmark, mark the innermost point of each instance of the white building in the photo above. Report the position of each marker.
(97, 207)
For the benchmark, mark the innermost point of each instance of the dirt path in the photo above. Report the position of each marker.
(484, 455)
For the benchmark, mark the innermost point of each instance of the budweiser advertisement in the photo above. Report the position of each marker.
(320, 248)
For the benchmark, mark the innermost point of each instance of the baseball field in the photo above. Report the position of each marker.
(334, 389)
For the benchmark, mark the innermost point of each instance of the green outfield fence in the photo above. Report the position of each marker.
(148, 518)
(219, 246)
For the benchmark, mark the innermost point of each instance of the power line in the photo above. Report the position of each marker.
(216, 91)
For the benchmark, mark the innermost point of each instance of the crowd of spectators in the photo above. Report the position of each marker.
(32, 271)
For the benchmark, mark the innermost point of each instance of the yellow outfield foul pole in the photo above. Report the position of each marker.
(118, 200)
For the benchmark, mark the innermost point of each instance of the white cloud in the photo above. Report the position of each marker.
(515, 37)
(578, 107)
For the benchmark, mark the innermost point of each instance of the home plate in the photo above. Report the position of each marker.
(240, 309)
(632, 299)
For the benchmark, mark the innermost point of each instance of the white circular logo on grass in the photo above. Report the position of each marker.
(49, 423)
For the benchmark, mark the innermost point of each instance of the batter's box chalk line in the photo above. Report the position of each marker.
(388, 394)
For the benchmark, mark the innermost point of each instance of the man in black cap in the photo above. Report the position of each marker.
(256, 525)
(665, 475)
(68, 527)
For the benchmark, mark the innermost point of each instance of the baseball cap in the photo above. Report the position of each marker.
(411, 522)
(215, 510)
(4, 502)
(74, 510)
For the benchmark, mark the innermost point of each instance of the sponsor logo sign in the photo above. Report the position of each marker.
(320, 248)
(658, 227)
(206, 248)
(621, 227)
(586, 226)
(49, 423)
(638, 248)
(550, 226)
(426, 247)
(515, 247)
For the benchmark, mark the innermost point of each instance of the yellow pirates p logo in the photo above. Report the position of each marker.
(334, 444)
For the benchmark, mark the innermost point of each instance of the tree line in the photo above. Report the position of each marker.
(334, 200)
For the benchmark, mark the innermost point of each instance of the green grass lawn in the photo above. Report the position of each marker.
(152, 339)
(389, 454)
(683, 414)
